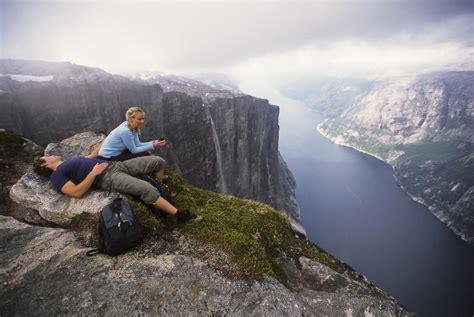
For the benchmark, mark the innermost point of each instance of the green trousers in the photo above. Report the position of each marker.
(120, 177)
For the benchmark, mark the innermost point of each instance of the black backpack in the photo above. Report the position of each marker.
(119, 229)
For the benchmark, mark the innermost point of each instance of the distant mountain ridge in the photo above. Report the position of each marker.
(199, 85)
(62, 72)
(424, 127)
(329, 96)
(222, 142)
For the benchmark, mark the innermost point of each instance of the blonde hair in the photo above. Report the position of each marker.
(131, 112)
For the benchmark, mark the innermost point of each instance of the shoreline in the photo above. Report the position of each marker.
(333, 140)
(439, 214)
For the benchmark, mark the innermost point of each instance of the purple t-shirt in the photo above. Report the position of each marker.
(76, 170)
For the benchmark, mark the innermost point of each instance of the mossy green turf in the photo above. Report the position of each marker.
(11, 142)
(252, 233)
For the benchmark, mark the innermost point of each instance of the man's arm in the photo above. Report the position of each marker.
(77, 191)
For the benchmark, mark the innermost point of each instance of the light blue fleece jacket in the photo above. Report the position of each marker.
(122, 138)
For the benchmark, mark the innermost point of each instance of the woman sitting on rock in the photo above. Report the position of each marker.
(123, 142)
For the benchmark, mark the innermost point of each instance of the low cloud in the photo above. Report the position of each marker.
(349, 58)
(263, 46)
(176, 37)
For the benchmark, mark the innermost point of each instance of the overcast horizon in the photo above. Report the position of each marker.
(262, 46)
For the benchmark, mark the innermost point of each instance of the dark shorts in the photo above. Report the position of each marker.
(127, 155)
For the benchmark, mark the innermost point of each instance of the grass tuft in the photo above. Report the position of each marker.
(253, 234)
(10, 142)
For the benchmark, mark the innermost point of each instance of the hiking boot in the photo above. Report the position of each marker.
(185, 215)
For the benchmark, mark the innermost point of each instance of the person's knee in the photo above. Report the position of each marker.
(149, 195)
(159, 162)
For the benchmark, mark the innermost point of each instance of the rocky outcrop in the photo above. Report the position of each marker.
(44, 271)
(243, 259)
(37, 193)
(423, 126)
(220, 141)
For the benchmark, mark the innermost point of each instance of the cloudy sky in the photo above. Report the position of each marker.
(264, 43)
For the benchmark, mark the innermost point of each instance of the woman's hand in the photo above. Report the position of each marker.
(159, 144)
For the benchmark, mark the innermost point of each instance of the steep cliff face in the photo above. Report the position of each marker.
(247, 129)
(424, 127)
(223, 142)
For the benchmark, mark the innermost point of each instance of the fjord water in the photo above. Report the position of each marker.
(352, 207)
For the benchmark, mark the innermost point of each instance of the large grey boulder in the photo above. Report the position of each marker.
(80, 144)
(36, 192)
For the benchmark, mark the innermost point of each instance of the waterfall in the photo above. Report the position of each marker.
(217, 146)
